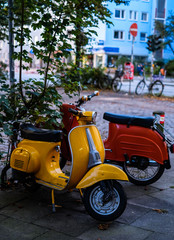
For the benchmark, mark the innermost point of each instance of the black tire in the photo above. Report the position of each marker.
(157, 88)
(138, 173)
(93, 201)
(103, 83)
(4, 179)
(140, 87)
(116, 84)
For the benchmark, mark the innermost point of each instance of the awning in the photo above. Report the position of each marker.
(107, 49)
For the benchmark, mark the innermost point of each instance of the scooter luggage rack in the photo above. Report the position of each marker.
(169, 138)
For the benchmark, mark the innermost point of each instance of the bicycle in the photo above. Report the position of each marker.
(115, 83)
(12, 144)
(155, 87)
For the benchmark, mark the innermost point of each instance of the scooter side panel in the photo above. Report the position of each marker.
(25, 159)
(80, 151)
(47, 158)
(134, 141)
(102, 172)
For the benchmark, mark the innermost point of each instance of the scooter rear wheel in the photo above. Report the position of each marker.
(143, 174)
(105, 211)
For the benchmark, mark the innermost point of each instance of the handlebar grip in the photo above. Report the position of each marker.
(96, 93)
(75, 112)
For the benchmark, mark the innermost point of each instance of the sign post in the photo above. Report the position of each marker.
(133, 31)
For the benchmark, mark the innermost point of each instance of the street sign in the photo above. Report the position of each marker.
(133, 29)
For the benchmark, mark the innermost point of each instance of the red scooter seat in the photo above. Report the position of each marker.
(129, 120)
(30, 132)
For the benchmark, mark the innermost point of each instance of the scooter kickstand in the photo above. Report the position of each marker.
(53, 200)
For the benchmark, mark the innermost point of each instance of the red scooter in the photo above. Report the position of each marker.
(135, 143)
(139, 146)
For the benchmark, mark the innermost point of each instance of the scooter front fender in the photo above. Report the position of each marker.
(102, 172)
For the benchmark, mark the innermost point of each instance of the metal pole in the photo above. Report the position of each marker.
(11, 46)
(152, 59)
(132, 51)
(132, 59)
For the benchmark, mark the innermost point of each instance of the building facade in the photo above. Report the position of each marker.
(116, 40)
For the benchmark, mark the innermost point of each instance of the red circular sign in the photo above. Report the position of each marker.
(133, 29)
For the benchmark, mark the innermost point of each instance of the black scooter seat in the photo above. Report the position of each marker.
(129, 120)
(30, 132)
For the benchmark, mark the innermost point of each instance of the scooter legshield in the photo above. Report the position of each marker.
(80, 151)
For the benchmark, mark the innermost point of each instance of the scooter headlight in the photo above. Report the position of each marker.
(94, 116)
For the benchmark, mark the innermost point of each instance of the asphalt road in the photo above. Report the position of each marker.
(126, 87)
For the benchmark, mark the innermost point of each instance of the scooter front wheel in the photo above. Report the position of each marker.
(101, 208)
(143, 171)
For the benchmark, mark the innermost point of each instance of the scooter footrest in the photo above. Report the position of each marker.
(30, 132)
(129, 120)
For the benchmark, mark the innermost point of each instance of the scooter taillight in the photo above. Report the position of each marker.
(172, 148)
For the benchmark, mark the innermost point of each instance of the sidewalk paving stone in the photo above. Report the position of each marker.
(16, 229)
(160, 236)
(117, 231)
(67, 221)
(53, 235)
(156, 222)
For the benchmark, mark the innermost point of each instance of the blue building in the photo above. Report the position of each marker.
(116, 40)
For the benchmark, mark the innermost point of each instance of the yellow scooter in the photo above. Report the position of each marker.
(38, 156)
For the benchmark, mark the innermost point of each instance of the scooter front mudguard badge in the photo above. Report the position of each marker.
(102, 172)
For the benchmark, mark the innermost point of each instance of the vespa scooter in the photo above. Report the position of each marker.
(135, 143)
(38, 156)
(139, 146)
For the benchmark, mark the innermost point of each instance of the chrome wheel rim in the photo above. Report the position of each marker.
(96, 201)
(143, 175)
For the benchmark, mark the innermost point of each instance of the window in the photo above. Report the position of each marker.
(143, 37)
(160, 10)
(119, 35)
(99, 60)
(144, 17)
(133, 15)
(130, 36)
(120, 14)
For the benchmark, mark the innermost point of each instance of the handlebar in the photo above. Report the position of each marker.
(75, 112)
(84, 99)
